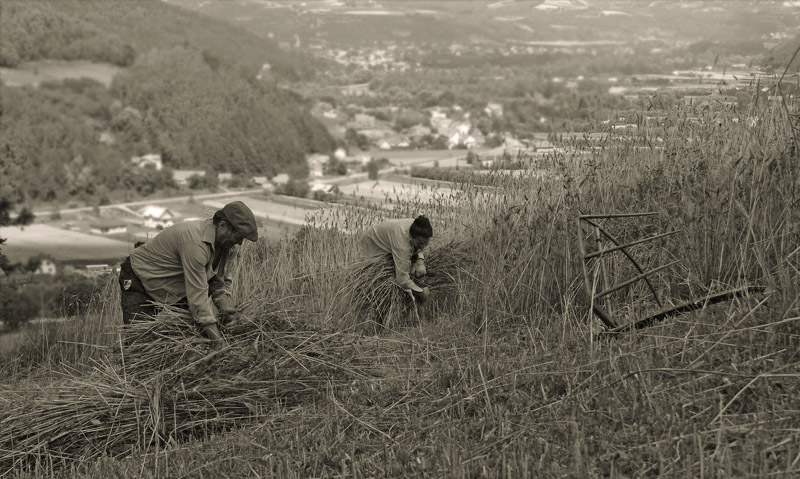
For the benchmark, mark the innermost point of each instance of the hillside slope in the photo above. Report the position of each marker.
(189, 92)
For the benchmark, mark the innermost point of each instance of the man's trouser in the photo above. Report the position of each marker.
(137, 305)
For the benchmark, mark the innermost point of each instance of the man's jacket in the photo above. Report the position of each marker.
(178, 263)
(393, 237)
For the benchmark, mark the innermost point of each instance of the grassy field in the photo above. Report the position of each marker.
(60, 244)
(508, 377)
(404, 158)
(34, 73)
(389, 191)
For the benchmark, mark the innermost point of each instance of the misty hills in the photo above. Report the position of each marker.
(190, 91)
(345, 23)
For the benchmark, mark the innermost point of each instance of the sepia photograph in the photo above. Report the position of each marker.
(363, 239)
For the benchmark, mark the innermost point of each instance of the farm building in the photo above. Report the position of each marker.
(263, 181)
(280, 179)
(157, 217)
(316, 163)
(152, 160)
(324, 187)
(46, 266)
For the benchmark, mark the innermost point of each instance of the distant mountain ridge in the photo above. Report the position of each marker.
(434, 23)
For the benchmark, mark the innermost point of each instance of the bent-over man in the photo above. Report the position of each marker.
(405, 239)
(188, 264)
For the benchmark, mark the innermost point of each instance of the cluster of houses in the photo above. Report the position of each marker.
(181, 177)
(457, 130)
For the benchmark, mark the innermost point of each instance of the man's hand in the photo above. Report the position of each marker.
(418, 268)
(228, 317)
(212, 332)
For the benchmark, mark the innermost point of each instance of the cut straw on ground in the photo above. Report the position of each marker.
(167, 384)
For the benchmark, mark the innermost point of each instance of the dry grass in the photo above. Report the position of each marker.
(507, 379)
(167, 384)
(369, 298)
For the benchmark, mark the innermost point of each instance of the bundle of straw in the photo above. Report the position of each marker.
(167, 384)
(371, 296)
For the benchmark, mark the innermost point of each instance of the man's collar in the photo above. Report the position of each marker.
(209, 232)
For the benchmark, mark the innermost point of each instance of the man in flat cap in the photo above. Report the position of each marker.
(188, 264)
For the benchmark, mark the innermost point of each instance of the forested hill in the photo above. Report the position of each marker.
(189, 92)
(117, 31)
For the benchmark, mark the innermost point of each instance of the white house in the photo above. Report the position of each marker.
(46, 266)
(280, 179)
(263, 181)
(320, 186)
(438, 115)
(316, 163)
(494, 109)
(153, 159)
(453, 140)
(157, 217)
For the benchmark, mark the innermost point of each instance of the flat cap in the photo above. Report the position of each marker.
(242, 219)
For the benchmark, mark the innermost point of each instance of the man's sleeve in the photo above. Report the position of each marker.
(222, 288)
(402, 270)
(194, 259)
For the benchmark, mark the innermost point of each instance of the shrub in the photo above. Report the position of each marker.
(17, 305)
(293, 187)
(335, 167)
(207, 181)
(75, 297)
(327, 196)
(372, 169)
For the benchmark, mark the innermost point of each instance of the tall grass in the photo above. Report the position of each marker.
(508, 380)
